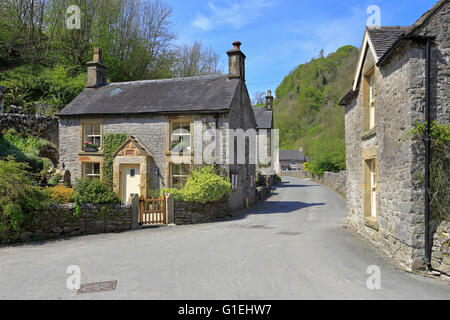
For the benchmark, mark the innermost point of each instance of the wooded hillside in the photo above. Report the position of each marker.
(307, 112)
(43, 62)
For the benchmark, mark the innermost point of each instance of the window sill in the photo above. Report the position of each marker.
(371, 223)
(97, 153)
(369, 134)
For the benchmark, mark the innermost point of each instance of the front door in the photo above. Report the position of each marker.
(131, 181)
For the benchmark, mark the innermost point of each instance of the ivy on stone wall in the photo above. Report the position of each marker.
(111, 142)
(439, 167)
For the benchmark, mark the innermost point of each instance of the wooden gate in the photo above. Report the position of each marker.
(153, 211)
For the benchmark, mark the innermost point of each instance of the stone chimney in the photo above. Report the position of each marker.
(269, 100)
(96, 70)
(236, 62)
(2, 94)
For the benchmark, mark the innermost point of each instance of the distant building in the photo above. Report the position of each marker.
(264, 127)
(291, 160)
(385, 197)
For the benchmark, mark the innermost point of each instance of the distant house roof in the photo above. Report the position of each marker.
(264, 118)
(199, 94)
(291, 155)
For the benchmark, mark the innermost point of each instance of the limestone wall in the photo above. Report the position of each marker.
(194, 213)
(37, 126)
(61, 221)
(440, 259)
(335, 181)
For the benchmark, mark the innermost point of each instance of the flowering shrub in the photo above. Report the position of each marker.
(62, 194)
(203, 186)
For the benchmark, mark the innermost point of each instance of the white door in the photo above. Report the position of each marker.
(131, 181)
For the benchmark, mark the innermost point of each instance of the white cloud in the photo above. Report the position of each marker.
(236, 14)
(202, 22)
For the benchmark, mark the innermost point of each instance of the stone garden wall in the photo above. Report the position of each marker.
(38, 126)
(193, 213)
(61, 221)
(440, 259)
(335, 181)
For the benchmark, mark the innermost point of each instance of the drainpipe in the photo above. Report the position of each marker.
(427, 152)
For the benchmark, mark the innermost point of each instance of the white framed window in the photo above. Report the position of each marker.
(92, 137)
(373, 189)
(372, 111)
(180, 140)
(91, 170)
(179, 174)
(234, 177)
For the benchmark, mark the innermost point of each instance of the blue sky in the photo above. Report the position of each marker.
(278, 35)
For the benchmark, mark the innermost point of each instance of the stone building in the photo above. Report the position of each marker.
(161, 118)
(291, 160)
(264, 136)
(386, 199)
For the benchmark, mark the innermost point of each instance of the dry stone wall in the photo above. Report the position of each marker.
(440, 259)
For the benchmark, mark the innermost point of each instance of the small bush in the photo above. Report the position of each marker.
(94, 191)
(19, 194)
(203, 186)
(61, 194)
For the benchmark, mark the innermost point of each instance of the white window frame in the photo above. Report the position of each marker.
(234, 181)
(372, 115)
(373, 189)
(92, 174)
(93, 137)
(173, 175)
(187, 135)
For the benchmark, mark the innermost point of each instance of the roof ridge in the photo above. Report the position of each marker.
(167, 80)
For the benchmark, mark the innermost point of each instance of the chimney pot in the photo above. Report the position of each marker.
(97, 71)
(236, 62)
(269, 100)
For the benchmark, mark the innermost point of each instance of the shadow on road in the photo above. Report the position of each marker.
(284, 207)
(286, 184)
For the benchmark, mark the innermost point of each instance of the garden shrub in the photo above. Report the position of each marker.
(203, 186)
(111, 142)
(19, 194)
(25, 149)
(61, 194)
(94, 191)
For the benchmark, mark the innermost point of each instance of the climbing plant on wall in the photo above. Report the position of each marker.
(439, 190)
(111, 142)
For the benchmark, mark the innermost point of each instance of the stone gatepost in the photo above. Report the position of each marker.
(170, 209)
(135, 212)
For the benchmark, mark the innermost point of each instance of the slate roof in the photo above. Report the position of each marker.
(384, 37)
(199, 94)
(290, 155)
(263, 117)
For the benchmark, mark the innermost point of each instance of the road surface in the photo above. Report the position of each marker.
(294, 246)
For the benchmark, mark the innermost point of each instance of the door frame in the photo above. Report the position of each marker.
(122, 181)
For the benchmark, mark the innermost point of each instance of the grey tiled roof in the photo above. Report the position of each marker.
(263, 117)
(289, 155)
(384, 37)
(198, 94)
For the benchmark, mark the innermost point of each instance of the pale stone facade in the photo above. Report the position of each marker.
(150, 132)
(399, 86)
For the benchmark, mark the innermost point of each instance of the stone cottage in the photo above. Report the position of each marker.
(291, 160)
(161, 118)
(264, 136)
(386, 199)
